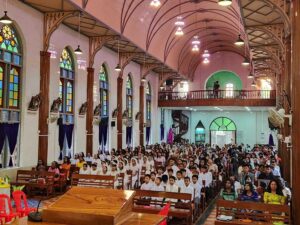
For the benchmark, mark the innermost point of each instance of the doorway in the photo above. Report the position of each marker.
(222, 132)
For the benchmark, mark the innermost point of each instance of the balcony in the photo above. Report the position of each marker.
(217, 98)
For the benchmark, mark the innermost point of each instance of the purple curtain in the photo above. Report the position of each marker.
(148, 129)
(61, 139)
(128, 135)
(65, 131)
(162, 132)
(69, 134)
(271, 140)
(12, 131)
(103, 129)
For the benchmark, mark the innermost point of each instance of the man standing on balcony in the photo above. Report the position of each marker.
(216, 89)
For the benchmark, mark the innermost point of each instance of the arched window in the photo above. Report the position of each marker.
(66, 93)
(229, 90)
(103, 79)
(66, 84)
(129, 104)
(148, 102)
(10, 82)
(10, 68)
(222, 131)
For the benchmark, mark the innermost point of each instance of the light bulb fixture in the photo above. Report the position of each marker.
(143, 79)
(155, 3)
(224, 2)
(195, 48)
(206, 54)
(245, 62)
(78, 51)
(179, 31)
(196, 41)
(206, 61)
(161, 87)
(5, 19)
(250, 76)
(179, 22)
(239, 41)
(118, 68)
(253, 84)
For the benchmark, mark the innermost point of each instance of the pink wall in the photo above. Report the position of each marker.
(221, 61)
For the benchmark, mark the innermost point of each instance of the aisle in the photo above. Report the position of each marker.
(211, 218)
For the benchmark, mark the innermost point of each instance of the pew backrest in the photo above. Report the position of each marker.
(92, 180)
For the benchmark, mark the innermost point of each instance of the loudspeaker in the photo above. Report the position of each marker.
(113, 123)
(169, 82)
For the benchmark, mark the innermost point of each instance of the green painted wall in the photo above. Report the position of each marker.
(224, 77)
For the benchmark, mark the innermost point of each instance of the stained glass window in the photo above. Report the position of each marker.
(103, 91)
(222, 124)
(129, 104)
(148, 102)
(10, 60)
(14, 88)
(66, 87)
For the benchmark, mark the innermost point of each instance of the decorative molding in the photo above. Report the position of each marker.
(52, 20)
(95, 45)
(97, 110)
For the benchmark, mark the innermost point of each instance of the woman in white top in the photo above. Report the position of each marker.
(135, 170)
(85, 169)
(94, 169)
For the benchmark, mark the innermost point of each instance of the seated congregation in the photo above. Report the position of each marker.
(187, 177)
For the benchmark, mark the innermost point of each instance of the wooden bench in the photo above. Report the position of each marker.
(255, 213)
(35, 180)
(153, 201)
(92, 181)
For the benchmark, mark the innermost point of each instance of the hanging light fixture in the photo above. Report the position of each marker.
(206, 61)
(253, 83)
(179, 31)
(250, 75)
(224, 2)
(239, 41)
(78, 51)
(206, 54)
(245, 62)
(5, 19)
(179, 22)
(118, 67)
(195, 44)
(155, 3)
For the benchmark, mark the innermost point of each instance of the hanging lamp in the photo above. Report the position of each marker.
(224, 2)
(78, 51)
(155, 3)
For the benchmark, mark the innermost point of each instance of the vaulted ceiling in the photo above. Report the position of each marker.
(263, 24)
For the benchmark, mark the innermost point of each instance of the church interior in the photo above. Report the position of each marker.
(149, 112)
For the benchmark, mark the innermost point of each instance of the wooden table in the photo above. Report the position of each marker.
(87, 205)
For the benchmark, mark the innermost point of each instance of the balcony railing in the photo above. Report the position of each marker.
(220, 94)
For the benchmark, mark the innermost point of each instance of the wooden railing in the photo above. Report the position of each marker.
(220, 94)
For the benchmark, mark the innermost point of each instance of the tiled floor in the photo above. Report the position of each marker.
(211, 218)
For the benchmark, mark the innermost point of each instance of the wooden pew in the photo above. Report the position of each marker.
(153, 201)
(255, 213)
(93, 181)
(35, 180)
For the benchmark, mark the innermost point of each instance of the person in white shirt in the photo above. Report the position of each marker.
(197, 190)
(152, 177)
(205, 177)
(147, 185)
(179, 182)
(94, 169)
(171, 186)
(88, 158)
(187, 188)
(85, 169)
(157, 185)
